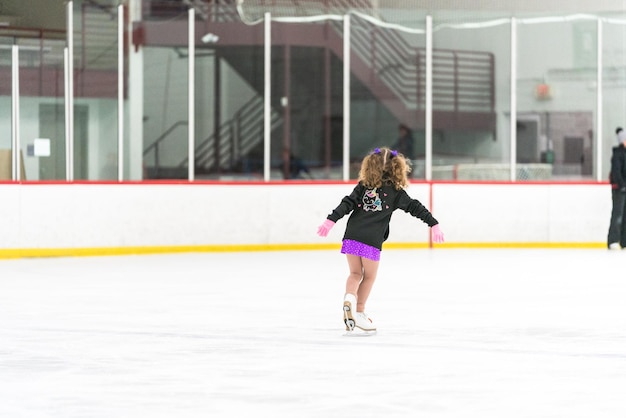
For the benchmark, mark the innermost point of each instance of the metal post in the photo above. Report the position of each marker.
(15, 113)
(120, 92)
(346, 97)
(191, 88)
(66, 77)
(327, 113)
(428, 158)
(267, 109)
(513, 127)
(599, 107)
(69, 88)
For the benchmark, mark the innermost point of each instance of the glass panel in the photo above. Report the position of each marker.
(229, 96)
(471, 87)
(230, 101)
(165, 127)
(95, 91)
(387, 91)
(282, 150)
(243, 109)
(613, 93)
(5, 107)
(556, 98)
(307, 101)
(229, 83)
(42, 113)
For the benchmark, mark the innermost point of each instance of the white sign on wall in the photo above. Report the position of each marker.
(41, 147)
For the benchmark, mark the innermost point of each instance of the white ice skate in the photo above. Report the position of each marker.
(364, 322)
(363, 326)
(357, 323)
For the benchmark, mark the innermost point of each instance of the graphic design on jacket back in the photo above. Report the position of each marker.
(371, 201)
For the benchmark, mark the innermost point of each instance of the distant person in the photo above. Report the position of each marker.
(293, 167)
(383, 178)
(405, 142)
(617, 229)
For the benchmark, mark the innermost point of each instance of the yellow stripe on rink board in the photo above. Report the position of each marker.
(524, 245)
(109, 251)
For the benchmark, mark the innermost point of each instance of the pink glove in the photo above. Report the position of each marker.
(437, 234)
(325, 228)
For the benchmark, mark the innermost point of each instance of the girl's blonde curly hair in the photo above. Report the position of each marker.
(385, 165)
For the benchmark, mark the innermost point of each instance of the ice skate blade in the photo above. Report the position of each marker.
(347, 317)
(349, 325)
(357, 332)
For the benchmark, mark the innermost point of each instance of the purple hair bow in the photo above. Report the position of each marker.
(394, 153)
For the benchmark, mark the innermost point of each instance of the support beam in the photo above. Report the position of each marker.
(267, 108)
(15, 114)
(69, 95)
(428, 158)
(120, 92)
(346, 97)
(191, 127)
(599, 107)
(513, 86)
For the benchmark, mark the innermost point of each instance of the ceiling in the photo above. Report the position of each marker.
(45, 14)
(51, 14)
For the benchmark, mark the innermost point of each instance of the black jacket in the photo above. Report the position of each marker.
(371, 212)
(617, 177)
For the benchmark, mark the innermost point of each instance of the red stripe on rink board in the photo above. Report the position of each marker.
(287, 183)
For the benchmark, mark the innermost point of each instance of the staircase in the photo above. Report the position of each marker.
(235, 140)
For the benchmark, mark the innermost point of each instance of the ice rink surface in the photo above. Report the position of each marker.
(461, 333)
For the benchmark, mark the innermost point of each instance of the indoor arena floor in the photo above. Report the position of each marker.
(461, 333)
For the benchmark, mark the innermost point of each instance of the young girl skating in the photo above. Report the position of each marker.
(381, 190)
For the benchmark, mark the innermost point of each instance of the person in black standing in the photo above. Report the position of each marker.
(293, 167)
(405, 142)
(617, 229)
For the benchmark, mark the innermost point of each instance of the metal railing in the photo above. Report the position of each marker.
(155, 147)
(462, 80)
(234, 139)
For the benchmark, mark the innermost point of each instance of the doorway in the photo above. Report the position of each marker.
(574, 154)
(527, 148)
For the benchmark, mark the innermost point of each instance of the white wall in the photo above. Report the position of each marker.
(49, 219)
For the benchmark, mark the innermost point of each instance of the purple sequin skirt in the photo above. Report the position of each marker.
(362, 250)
